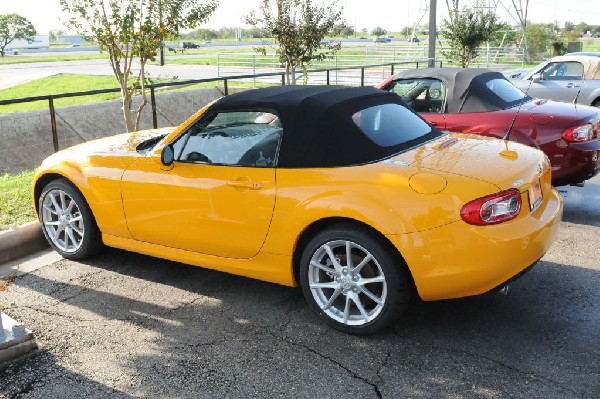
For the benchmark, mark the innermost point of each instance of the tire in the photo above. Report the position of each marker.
(67, 221)
(376, 279)
(596, 103)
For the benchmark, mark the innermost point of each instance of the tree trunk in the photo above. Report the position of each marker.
(138, 111)
(293, 74)
(127, 111)
(287, 73)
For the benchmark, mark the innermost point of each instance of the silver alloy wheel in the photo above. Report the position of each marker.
(62, 220)
(347, 282)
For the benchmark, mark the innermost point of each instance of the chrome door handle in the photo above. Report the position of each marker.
(571, 85)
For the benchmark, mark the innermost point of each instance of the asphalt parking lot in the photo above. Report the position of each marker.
(127, 325)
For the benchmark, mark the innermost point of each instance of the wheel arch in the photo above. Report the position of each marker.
(43, 180)
(319, 225)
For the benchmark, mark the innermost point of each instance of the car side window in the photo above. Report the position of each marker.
(422, 95)
(570, 70)
(241, 138)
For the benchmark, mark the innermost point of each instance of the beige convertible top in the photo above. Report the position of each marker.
(591, 64)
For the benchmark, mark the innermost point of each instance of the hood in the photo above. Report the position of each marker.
(122, 146)
(119, 144)
(504, 164)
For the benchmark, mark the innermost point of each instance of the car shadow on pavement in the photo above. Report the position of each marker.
(181, 331)
(41, 376)
(581, 203)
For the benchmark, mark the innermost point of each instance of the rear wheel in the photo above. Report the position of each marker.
(352, 281)
(596, 103)
(67, 221)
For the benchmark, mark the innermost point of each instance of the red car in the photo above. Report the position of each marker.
(483, 102)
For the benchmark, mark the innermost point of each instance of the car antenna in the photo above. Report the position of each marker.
(512, 124)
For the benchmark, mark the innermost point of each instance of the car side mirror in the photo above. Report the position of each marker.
(536, 78)
(167, 156)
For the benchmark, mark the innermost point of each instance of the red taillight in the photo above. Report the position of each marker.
(492, 209)
(579, 133)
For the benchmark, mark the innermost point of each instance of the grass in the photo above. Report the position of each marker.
(16, 207)
(58, 84)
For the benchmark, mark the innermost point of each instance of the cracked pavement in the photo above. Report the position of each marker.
(127, 325)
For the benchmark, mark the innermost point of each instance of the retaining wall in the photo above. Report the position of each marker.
(26, 137)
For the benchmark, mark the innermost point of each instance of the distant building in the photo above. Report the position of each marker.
(40, 41)
(70, 39)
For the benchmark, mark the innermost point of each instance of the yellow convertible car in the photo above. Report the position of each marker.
(344, 191)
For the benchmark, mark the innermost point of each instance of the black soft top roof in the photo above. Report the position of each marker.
(317, 122)
(466, 88)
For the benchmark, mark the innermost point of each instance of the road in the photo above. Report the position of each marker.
(125, 325)
(15, 74)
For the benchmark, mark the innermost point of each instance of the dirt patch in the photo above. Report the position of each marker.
(5, 282)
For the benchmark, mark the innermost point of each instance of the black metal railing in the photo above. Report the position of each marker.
(224, 79)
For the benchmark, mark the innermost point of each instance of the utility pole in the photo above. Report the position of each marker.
(432, 32)
(162, 37)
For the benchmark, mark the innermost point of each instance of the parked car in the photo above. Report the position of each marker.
(479, 101)
(381, 40)
(186, 45)
(568, 78)
(344, 191)
(590, 53)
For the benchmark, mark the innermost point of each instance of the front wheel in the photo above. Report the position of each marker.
(352, 281)
(67, 221)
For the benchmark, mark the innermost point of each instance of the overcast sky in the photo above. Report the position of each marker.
(392, 15)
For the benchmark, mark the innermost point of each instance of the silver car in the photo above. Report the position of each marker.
(567, 78)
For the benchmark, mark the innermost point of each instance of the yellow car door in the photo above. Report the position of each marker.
(217, 197)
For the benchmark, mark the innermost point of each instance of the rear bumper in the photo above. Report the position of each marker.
(580, 163)
(458, 259)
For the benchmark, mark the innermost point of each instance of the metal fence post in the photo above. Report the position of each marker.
(336, 72)
(53, 123)
(153, 103)
(362, 76)
(392, 70)
(328, 77)
(283, 78)
(225, 88)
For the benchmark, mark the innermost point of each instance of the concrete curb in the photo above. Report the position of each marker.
(16, 342)
(21, 241)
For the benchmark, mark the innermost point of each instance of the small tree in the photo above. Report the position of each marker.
(466, 31)
(13, 27)
(540, 37)
(342, 29)
(133, 30)
(298, 27)
(378, 31)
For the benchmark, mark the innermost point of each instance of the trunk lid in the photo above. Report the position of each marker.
(502, 163)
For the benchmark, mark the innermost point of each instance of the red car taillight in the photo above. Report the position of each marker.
(579, 133)
(492, 209)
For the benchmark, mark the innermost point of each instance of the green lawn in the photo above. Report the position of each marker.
(16, 207)
(57, 84)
